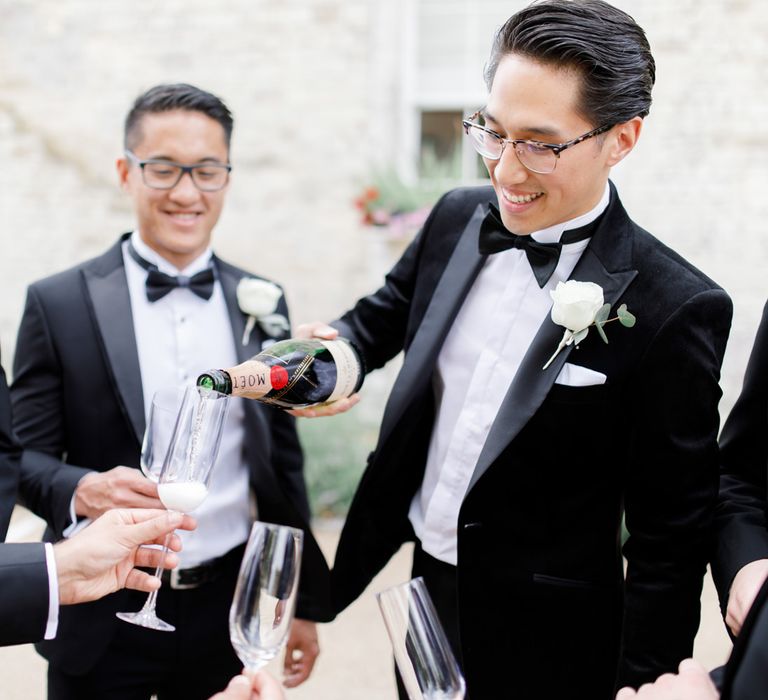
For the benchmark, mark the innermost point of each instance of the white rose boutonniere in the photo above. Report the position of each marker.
(579, 305)
(258, 299)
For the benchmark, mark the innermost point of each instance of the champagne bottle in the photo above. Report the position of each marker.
(293, 373)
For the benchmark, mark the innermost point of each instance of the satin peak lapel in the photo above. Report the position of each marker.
(531, 384)
(112, 309)
(458, 276)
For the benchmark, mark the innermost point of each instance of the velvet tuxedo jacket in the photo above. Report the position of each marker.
(78, 406)
(544, 608)
(742, 524)
(24, 599)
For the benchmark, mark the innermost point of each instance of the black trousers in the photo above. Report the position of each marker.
(440, 580)
(192, 663)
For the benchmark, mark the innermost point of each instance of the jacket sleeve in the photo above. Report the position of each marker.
(24, 602)
(671, 485)
(740, 520)
(46, 482)
(378, 323)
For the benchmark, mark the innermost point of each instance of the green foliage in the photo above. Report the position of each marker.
(386, 196)
(600, 320)
(580, 335)
(335, 452)
(626, 319)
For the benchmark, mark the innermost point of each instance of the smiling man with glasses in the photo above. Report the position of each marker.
(512, 478)
(95, 343)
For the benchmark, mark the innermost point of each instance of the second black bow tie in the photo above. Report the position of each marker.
(542, 257)
(159, 284)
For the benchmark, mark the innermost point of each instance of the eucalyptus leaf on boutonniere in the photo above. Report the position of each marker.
(579, 305)
(258, 299)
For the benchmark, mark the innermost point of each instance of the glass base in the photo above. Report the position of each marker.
(146, 618)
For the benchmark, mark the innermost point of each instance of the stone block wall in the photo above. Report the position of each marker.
(314, 86)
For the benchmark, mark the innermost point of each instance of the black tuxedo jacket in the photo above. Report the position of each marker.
(543, 603)
(78, 406)
(742, 526)
(9, 459)
(24, 599)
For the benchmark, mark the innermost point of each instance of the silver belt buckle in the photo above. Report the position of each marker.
(176, 583)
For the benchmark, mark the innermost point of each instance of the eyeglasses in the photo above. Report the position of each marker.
(165, 174)
(536, 156)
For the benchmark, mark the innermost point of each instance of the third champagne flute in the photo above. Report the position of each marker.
(424, 658)
(186, 472)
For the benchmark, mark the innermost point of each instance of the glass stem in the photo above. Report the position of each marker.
(152, 597)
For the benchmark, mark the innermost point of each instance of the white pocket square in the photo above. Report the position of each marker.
(576, 375)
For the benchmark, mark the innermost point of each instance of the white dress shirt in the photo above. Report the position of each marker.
(178, 337)
(483, 351)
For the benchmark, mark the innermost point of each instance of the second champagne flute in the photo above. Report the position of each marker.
(265, 597)
(186, 472)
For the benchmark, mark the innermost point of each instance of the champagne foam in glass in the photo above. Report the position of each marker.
(183, 496)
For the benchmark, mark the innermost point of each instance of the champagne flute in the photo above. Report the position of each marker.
(427, 666)
(265, 597)
(186, 473)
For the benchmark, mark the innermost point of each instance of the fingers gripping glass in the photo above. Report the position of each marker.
(165, 174)
(536, 156)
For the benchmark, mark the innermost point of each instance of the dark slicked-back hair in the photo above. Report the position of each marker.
(605, 45)
(165, 98)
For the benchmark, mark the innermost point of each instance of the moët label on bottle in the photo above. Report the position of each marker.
(251, 380)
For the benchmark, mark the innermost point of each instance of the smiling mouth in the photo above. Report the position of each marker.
(521, 199)
(183, 215)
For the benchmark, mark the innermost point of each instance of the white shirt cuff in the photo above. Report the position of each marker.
(76, 524)
(52, 625)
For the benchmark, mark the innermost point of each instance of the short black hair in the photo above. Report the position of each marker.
(604, 44)
(165, 98)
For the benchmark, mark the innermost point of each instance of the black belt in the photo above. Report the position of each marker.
(196, 576)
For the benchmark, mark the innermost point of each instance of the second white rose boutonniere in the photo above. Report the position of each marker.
(579, 305)
(258, 299)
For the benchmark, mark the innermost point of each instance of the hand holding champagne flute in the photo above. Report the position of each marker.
(186, 471)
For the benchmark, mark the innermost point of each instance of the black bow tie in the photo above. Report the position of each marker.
(543, 257)
(159, 284)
